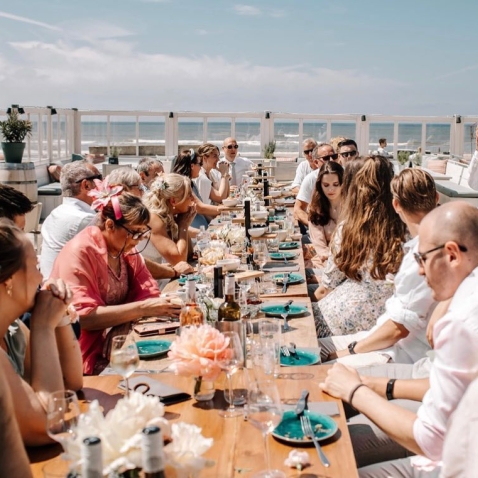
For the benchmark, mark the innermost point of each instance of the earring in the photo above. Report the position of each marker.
(9, 290)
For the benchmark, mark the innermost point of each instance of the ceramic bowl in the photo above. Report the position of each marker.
(228, 264)
(281, 235)
(259, 214)
(230, 202)
(274, 193)
(257, 231)
(279, 201)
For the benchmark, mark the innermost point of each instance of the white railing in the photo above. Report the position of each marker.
(57, 136)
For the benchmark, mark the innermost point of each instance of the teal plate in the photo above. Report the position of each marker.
(293, 278)
(280, 256)
(290, 430)
(152, 348)
(288, 245)
(303, 359)
(182, 280)
(275, 310)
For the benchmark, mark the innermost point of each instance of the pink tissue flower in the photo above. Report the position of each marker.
(196, 352)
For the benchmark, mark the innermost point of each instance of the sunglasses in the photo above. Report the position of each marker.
(329, 157)
(421, 257)
(348, 153)
(307, 151)
(90, 178)
(136, 236)
(231, 146)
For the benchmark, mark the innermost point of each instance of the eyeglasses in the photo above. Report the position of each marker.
(329, 157)
(90, 178)
(348, 153)
(421, 257)
(136, 236)
(307, 151)
(230, 146)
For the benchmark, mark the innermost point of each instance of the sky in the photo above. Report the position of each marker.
(409, 57)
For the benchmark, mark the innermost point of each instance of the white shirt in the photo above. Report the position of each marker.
(455, 366)
(63, 223)
(383, 152)
(306, 190)
(302, 171)
(204, 185)
(238, 167)
(473, 172)
(410, 305)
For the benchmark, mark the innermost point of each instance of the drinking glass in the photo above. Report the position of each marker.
(63, 411)
(124, 357)
(264, 411)
(231, 361)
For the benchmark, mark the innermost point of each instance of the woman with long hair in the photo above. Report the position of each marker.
(366, 247)
(213, 179)
(111, 285)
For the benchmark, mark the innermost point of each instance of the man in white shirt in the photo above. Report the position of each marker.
(149, 169)
(71, 217)
(306, 166)
(448, 259)
(323, 152)
(473, 167)
(238, 164)
(347, 151)
(382, 143)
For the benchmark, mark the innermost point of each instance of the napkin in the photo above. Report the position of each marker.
(280, 267)
(324, 408)
(150, 386)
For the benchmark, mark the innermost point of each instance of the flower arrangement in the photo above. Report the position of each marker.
(14, 129)
(114, 152)
(403, 157)
(269, 150)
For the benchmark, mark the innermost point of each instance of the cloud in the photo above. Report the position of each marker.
(93, 29)
(248, 10)
(202, 32)
(29, 20)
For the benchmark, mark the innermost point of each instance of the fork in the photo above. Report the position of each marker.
(285, 314)
(309, 433)
(285, 351)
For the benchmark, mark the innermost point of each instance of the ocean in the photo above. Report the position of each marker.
(286, 134)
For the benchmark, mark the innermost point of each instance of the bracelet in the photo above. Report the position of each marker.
(352, 393)
(389, 391)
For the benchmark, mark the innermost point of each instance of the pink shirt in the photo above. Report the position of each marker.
(83, 265)
(455, 366)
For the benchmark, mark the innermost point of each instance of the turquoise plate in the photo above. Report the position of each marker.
(280, 256)
(152, 348)
(289, 245)
(289, 428)
(293, 278)
(275, 310)
(182, 280)
(303, 359)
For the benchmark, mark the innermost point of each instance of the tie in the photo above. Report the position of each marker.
(233, 173)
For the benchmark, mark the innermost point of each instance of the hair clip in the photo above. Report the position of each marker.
(162, 184)
(103, 194)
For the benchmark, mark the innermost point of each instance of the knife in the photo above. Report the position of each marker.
(285, 281)
(302, 403)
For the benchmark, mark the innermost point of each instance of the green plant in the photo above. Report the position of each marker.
(403, 157)
(269, 149)
(14, 129)
(114, 152)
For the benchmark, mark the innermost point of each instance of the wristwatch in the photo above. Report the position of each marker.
(389, 390)
(351, 347)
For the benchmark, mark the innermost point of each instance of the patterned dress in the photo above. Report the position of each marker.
(351, 306)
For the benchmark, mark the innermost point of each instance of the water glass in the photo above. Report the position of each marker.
(124, 357)
(273, 244)
(240, 382)
(270, 339)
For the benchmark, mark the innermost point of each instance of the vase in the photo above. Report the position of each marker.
(203, 389)
(13, 152)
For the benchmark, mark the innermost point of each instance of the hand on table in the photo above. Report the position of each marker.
(162, 307)
(340, 381)
(183, 268)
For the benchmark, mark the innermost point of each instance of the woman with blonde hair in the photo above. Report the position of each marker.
(213, 179)
(366, 248)
(173, 208)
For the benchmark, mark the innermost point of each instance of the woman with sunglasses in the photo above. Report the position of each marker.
(111, 285)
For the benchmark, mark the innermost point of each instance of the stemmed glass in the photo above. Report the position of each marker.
(63, 411)
(260, 255)
(124, 357)
(264, 411)
(231, 361)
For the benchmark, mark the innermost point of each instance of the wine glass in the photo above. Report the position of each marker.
(124, 357)
(231, 361)
(264, 411)
(63, 411)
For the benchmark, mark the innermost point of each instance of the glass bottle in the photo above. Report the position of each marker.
(152, 452)
(91, 458)
(230, 311)
(191, 313)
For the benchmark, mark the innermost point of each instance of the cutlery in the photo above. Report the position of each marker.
(286, 314)
(285, 281)
(293, 349)
(309, 433)
(301, 404)
(285, 351)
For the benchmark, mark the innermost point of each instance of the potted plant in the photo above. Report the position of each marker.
(269, 149)
(14, 131)
(403, 158)
(114, 155)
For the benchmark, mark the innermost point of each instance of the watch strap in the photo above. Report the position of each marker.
(389, 390)
(351, 347)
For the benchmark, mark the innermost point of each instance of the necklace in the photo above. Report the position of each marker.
(114, 257)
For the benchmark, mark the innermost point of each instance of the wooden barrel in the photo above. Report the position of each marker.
(21, 176)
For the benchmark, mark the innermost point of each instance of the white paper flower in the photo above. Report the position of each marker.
(184, 452)
(297, 459)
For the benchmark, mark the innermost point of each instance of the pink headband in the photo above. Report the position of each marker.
(103, 194)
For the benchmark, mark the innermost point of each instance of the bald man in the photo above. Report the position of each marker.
(238, 165)
(448, 258)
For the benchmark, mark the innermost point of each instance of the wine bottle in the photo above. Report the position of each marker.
(152, 452)
(247, 217)
(229, 310)
(266, 192)
(91, 458)
(191, 313)
(218, 284)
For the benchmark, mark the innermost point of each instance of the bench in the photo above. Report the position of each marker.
(49, 194)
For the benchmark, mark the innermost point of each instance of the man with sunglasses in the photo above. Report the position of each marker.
(71, 217)
(305, 167)
(347, 151)
(321, 153)
(238, 165)
(448, 258)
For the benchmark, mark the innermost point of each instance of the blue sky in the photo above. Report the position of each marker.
(413, 57)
